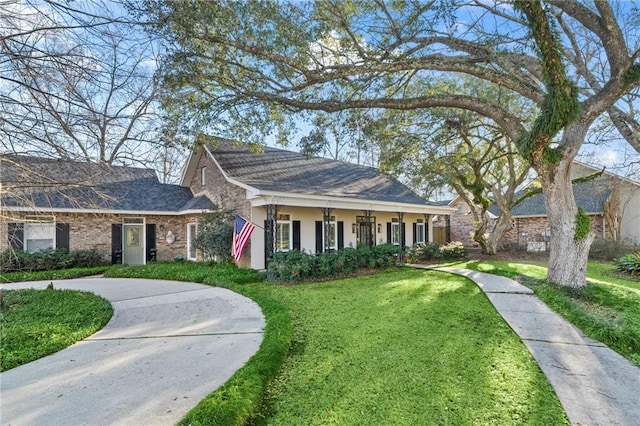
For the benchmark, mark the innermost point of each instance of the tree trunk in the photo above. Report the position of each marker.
(502, 225)
(567, 255)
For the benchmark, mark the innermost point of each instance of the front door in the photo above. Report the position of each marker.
(365, 234)
(133, 244)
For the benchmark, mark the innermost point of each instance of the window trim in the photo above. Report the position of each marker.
(419, 237)
(40, 220)
(332, 222)
(279, 222)
(395, 224)
(190, 238)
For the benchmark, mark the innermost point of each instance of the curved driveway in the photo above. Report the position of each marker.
(167, 346)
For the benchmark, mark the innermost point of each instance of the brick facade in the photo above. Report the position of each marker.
(525, 230)
(93, 231)
(224, 194)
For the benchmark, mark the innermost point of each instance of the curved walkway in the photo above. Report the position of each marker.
(595, 385)
(167, 346)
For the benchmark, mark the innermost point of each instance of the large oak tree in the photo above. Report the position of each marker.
(247, 65)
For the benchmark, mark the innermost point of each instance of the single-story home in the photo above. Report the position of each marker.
(612, 202)
(298, 203)
(124, 212)
(312, 204)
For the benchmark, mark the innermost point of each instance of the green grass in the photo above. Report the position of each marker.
(607, 309)
(404, 347)
(60, 274)
(36, 323)
(401, 347)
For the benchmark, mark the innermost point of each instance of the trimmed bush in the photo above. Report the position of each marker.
(432, 251)
(296, 266)
(49, 260)
(453, 250)
(424, 252)
(628, 264)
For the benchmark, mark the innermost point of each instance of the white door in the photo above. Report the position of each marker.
(133, 244)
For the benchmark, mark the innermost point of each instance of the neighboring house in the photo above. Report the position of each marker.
(311, 204)
(612, 203)
(124, 212)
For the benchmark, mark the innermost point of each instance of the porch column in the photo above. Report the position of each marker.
(427, 228)
(270, 233)
(326, 218)
(401, 237)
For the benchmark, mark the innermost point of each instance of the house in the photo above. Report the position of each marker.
(124, 212)
(611, 202)
(312, 204)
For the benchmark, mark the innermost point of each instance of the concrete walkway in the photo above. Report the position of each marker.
(167, 346)
(595, 385)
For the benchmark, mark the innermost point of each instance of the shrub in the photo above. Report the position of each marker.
(424, 252)
(295, 266)
(607, 249)
(49, 260)
(628, 264)
(87, 258)
(453, 250)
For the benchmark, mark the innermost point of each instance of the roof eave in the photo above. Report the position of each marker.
(261, 198)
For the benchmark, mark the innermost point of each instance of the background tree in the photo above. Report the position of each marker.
(469, 155)
(238, 63)
(77, 81)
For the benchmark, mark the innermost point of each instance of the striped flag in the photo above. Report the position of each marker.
(242, 230)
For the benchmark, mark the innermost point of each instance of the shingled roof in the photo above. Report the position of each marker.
(590, 196)
(278, 170)
(65, 184)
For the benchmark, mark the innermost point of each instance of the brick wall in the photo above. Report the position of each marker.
(533, 229)
(93, 231)
(224, 194)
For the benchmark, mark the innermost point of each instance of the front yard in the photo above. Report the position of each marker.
(403, 346)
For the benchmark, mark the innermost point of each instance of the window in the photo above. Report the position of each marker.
(395, 232)
(39, 234)
(191, 239)
(332, 234)
(284, 231)
(419, 231)
(203, 176)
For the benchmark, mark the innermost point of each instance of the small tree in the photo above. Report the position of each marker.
(215, 235)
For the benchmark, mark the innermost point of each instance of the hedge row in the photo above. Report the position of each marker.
(295, 266)
(49, 260)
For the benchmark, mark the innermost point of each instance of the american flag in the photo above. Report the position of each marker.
(242, 230)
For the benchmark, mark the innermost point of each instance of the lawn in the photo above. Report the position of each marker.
(607, 309)
(401, 347)
(404, 347)
(36, 323)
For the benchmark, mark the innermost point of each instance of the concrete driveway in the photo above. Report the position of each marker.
(168, 345)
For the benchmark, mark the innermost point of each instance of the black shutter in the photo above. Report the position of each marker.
(296, 235)
(388, 232)
(15, 235)
(415, 230)
(426, 232)
(403, 235)
(151, 242)
(62, 236)
(266, 244)
(319, 242)
(340, 235)
(116, 243)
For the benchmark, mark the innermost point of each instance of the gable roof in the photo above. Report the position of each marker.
(59, 184)
(278, 170)
(590, 196)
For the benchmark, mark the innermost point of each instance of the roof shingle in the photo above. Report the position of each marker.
(279, 170)
(66, 184)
